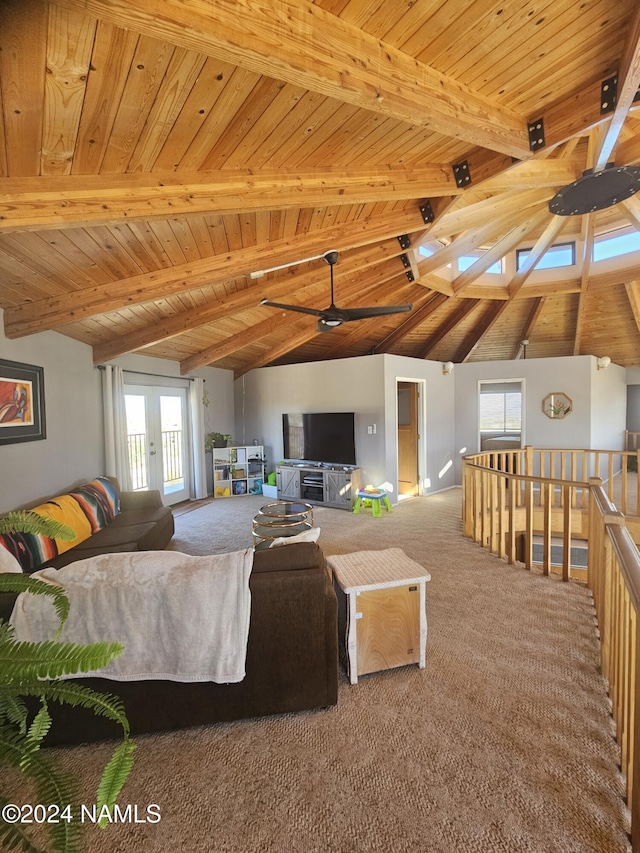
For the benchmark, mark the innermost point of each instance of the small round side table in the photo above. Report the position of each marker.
(282, 518)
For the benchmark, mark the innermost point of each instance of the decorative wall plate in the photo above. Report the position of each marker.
(557, 405)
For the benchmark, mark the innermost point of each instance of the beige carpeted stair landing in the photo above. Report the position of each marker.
(502, 744)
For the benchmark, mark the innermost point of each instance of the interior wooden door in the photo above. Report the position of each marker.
(407, 438)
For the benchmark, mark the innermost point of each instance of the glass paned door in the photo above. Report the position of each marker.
(157, 440)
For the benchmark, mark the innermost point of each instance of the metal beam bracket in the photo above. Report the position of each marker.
(410, 275)
(536, 134)
(404, 240)
(462, 174)
(608, 95)
(427, 213)
(405, 261)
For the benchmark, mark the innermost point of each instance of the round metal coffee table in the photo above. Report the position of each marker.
(281, 518)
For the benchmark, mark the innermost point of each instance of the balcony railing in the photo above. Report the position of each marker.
(172, 462)
(523, 506)
(172, 458)
(137, 444)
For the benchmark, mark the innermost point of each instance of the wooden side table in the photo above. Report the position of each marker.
(386, 617)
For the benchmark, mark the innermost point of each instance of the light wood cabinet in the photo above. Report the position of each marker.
(381, 609)
(388, 628)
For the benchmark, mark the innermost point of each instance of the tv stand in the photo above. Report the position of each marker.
(327, 485)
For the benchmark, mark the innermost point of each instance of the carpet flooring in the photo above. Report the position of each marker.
(503, 743)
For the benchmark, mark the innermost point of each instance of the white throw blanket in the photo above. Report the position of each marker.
(180, 618)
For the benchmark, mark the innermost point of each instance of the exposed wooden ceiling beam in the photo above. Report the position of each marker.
(574, 115)
(532, 174)
(278, 322)
(532, 319)
(233, 343)
(417, 316)
(84, 200)
(628, 83)
(472, 239)
(447, 326)
(482, 328)
(359, 330)
(55, 311)
(234, 303)
(577, 335)
(633, 295)
(301, 43)
(631, 207)
(544, 242)
(588, 231)
(461, 218)
(512, 238)
(280, 351)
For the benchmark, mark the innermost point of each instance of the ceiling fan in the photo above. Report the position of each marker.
(333, 316)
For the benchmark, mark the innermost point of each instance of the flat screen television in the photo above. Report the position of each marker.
(320, 437)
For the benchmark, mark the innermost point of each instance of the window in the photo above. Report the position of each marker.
(500, 409)
(609, 246)
(560, 255)
(465, 261)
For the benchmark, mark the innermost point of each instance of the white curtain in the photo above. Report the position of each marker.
(196, 393)
(115, 426)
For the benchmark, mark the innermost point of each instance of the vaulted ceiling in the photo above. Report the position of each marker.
(155, 153)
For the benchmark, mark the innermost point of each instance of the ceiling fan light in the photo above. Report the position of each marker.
(331, 323)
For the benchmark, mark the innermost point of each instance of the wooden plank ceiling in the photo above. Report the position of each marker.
(155, 153)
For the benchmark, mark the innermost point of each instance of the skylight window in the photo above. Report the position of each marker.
(465, 261)
(560, 255)
(425, 251)
(609, 246)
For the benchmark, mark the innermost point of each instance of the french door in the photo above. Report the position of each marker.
(157, 438)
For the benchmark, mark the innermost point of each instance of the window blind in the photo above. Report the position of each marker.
(500, 407)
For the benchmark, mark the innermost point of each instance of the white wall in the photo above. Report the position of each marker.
(438, 410)
(72, 451)
(219, 415)
(542, 376)
(599, 401)
(633, 398)
(364, 385)
(345, 385)
(608, 407)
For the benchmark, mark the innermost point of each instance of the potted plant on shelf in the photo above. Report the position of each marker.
(33, 670)
(216, 439)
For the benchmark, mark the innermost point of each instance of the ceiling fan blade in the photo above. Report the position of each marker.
(351, 314)
(260, 273)
(299, 308)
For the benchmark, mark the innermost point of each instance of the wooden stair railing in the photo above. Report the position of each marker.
(507, 494)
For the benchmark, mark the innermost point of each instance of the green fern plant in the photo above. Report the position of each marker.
(30, 669)
(25, 521)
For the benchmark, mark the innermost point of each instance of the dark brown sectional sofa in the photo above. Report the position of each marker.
(291, 664)
(143, 524)
(120, 521)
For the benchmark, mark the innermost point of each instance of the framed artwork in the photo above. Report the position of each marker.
(22, 415)
(557, 405)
